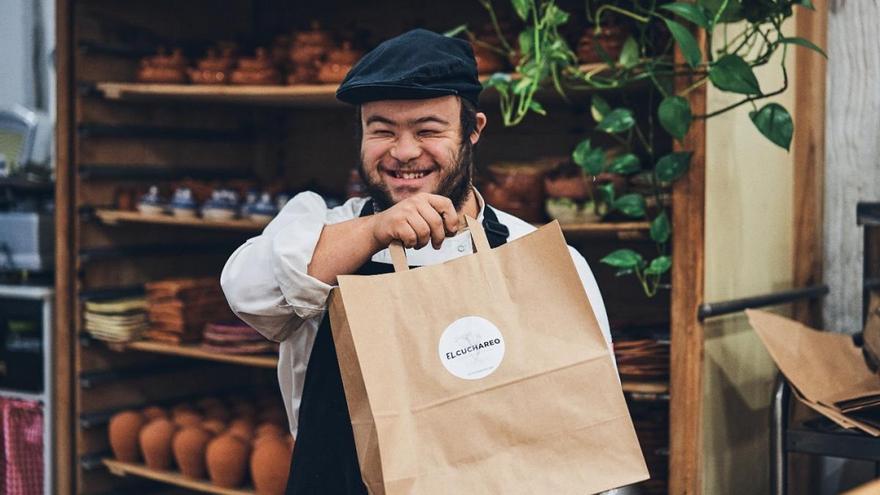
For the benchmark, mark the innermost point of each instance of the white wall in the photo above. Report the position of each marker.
(852, 152)
(27, 72)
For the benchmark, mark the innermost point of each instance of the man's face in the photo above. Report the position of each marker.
(414, 146)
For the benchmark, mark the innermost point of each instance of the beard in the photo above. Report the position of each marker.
(455, 183)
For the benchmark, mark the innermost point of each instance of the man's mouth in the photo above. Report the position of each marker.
(408, 174)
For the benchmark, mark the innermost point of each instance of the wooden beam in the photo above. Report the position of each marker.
(809, 157)
(686, 331)
(61, 393)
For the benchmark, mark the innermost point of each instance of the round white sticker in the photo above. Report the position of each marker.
(471, 348)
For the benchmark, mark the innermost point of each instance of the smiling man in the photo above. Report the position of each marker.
(417, 97)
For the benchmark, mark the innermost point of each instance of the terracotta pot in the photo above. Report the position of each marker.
(517, 189)
(337, 64)
(256, 70)
(124, 430)
(269, 429)
(155, 441)
(189, 447)
(242, 428)
(488, 60)
(270, 465)
(163, 68)
(610, 37)
(310, 46)
(227, 459)
(566, 180)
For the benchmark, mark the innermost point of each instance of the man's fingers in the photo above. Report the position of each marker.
(443, 206)
(435, 222)
(421, 228)
(406, 235)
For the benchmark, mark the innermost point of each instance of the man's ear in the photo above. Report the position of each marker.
(481, 123)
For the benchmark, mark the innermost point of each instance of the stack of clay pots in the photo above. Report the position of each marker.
(227, 441)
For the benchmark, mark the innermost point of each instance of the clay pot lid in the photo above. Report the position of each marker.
(344, 55)
(313, 36)
(260, 61)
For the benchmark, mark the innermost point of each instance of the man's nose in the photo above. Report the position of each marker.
(406, 149)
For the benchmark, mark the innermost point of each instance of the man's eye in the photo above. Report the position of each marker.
(383, 132)
(427, 132)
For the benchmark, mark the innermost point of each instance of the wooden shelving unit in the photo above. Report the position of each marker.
(195, 352)
(119, 468)
(320, 94)
(115, 217)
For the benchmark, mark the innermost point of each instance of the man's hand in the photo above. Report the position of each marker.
(415, 221)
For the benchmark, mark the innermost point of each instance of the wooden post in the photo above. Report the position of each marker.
(809, 157)
(61, 394)
(686, 332)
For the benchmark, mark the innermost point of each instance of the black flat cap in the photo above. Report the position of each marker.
(416, 65)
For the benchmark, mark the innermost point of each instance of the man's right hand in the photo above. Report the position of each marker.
(415, 221)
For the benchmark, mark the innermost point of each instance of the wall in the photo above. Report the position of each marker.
(27, 72)
(852, 152)
(748, 246)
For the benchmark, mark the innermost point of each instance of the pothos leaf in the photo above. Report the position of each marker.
(625, 164)
(675, 115)
(774, 122)
(588, 158)
(599, 108)
(629, 54)
(522, 8)
(686, 42)
(672, 166)
(692, 12)
(731, 73)
(659, 265)
(623, 258)
(618, 120)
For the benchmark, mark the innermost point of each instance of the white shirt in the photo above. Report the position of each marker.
(267, 284)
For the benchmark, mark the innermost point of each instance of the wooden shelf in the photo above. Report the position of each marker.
(619, 230)
(119, 468)
(298, 95)
(114, 217)
(318, 94)
(645, 387)
(194, 351)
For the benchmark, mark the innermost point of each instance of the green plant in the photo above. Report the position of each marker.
(740, 35)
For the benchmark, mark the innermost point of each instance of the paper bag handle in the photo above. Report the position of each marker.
(478, 235)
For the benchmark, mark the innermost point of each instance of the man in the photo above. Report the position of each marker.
(417, 98)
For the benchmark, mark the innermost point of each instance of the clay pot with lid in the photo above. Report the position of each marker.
(610, 37)
(189, 446)
(164, 68)
(258, 69)
(270, 463)
(311, 45)
(227, 460)
(566, 180)
(155, 439)
(124, 431)
(215, 68)
(517, 189)
(337, 64)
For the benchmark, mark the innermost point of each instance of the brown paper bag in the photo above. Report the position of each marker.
(487, 374)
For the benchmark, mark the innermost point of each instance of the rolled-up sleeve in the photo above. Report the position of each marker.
(592, 289)
(266, 280)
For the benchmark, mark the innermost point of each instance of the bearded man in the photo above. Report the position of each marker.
(417, 98)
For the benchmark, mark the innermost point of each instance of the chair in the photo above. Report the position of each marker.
(18, 133)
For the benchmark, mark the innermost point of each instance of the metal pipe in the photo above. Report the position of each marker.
(711, 310)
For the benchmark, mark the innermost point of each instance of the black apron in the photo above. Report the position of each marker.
(324, 457)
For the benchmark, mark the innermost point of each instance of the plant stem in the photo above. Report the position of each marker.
(619, 10)
(693, 86)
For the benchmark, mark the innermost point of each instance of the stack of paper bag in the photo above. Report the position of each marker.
(826, 370)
